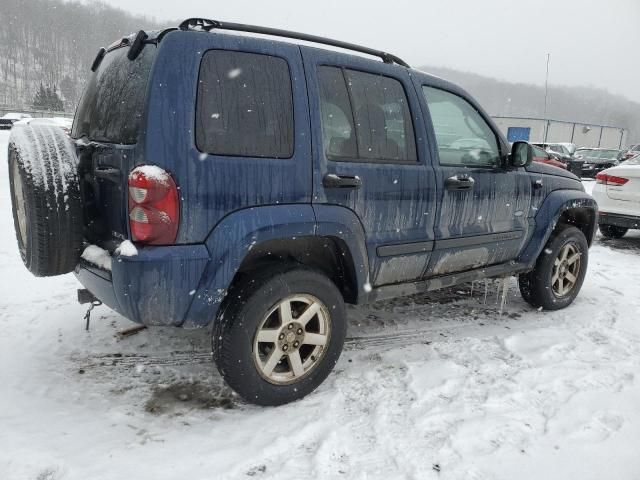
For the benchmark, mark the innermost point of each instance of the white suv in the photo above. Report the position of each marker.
(617, 192)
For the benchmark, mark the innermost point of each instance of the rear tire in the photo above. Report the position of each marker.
(46, 204)
(251, 343)
(559, 273)
(612, 231)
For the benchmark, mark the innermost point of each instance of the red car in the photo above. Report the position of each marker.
(540, 155)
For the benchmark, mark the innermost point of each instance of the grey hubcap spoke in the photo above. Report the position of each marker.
(292, 339)
(566, 269)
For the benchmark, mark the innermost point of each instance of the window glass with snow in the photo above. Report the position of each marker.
(463, 136)
(113, 101)
(338, 130)
(365, 116)
(244, 105)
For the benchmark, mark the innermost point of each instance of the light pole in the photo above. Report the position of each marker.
(546, 91)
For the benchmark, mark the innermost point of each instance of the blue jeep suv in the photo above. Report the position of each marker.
(260, 185)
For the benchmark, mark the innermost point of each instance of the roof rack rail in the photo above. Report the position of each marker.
(206, 25)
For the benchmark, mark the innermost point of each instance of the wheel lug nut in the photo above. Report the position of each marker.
(295, 344)
(285, 347)
(299, 331)
(281, 336)
(290, 326)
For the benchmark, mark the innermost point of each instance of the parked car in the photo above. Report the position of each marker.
(7, 121)
(560, 148)
(564, 153)
(617, 191)
(596, 159)
(631, 152)
(270, 183)
(542, 156)
(64, 123)
(570, 147)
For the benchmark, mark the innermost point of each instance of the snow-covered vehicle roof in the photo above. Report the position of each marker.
(15, 116)
(54, 121)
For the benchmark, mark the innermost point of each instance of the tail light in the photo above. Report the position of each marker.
(154, 211)
(605, 179)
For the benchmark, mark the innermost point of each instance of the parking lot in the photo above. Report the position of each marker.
(445, 385)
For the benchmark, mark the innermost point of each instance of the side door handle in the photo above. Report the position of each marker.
(459, 182)
(331, 180)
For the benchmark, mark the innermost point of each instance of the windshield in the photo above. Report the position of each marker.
(113, 101)
(559, 149)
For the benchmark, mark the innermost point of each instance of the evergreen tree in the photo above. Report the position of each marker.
(40, 99)
(47, 98)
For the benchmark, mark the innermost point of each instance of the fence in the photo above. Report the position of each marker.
(34, 113)
(552, 131)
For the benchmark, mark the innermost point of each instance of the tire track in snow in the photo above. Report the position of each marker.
(377, 342)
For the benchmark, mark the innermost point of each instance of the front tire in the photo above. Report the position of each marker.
(559, 273)
(611, 231)
(279, 334)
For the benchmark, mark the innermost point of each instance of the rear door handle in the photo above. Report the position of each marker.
(331, 180)
(459, 182)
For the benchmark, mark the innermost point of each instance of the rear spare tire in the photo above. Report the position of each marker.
(45, 197)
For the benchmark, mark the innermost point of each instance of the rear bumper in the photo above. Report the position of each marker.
(155, 287)
(618, 220)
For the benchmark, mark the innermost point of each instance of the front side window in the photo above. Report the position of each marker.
(245, 105)
(365, 117)
(463, 136)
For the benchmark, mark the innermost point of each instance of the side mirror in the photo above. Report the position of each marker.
(521, 155)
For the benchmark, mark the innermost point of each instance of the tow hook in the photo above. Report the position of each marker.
(85, 296)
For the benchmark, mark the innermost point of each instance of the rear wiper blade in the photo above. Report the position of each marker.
(137, 45)
(98, 60)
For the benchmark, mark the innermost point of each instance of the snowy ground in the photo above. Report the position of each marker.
(437, 386)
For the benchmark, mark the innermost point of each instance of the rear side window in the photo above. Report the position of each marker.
(245, 105)
(463, 136)
(365, 116)
(113, 101)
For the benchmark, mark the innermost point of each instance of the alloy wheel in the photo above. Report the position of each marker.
(292, 339)
(566, 270)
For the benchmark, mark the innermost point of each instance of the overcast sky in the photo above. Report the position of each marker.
(592, 42)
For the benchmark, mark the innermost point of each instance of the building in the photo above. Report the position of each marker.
(552, 131)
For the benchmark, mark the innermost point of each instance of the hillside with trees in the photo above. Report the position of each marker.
(47, 47)
(571, 104)
(51, 44)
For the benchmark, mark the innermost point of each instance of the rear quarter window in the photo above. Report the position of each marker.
(245, 105)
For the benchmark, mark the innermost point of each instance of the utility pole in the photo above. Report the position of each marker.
(546, 91)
